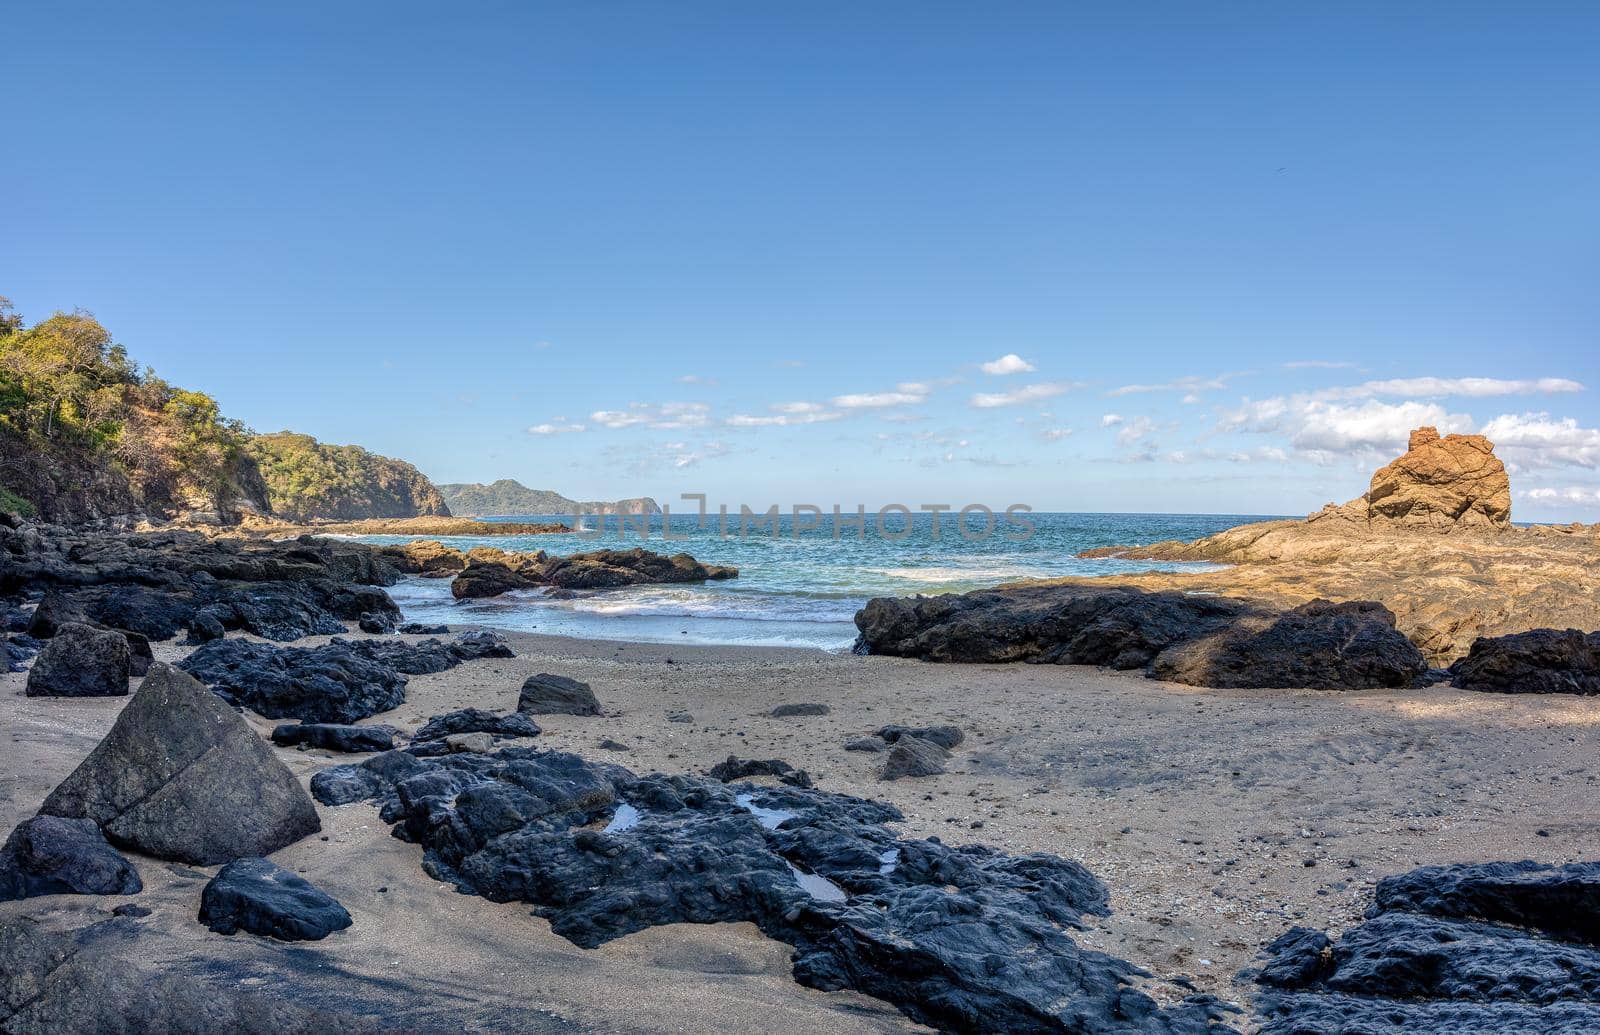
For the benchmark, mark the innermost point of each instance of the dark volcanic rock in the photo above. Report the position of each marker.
(1493, 947)
(336, 682)
(947, 737)
(331, 736)
(20, 649)
(476, 720)
(1203, 640)
(873, 745)
(419, 629)
(140, 656)
(53, 611)
(182, 776)
(343, 784)
(49, 855)
(81, 661)
(376, 623)
(1351, 646)
(913, 756)
(735, 768)
(1543, 661)
(965, 939)
(492, 572)
(788, 711)
(545, 694)
(256, 896)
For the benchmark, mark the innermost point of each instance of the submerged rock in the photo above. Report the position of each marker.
(1492, 947)
(545, 694)
(182, 776)
(965, 939)
(81, 661)
(50, 855)
(257, 896)
(1541, 661)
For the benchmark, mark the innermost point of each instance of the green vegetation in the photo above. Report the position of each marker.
(309, 479)
(83, 433)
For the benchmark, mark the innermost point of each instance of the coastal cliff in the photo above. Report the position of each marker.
(307, 479)
(508, 496)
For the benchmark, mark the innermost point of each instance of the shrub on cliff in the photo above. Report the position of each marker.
(309, 479)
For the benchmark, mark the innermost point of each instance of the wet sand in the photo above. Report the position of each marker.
(1217, 818)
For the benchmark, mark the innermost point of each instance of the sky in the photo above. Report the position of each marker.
(1213, 258)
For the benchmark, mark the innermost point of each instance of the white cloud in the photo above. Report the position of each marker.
(1469, 387)
(1010, 363)
(797, 407)
(558, 426)
(1326, 429)
(1055, 434)
(1111, 420)
(1192, 385)
(907, 393)
(663, 417)
(1025, 394)
(1588, 495)
(780, 420)
(696, 379)
(1135, 429)
(1537, 441)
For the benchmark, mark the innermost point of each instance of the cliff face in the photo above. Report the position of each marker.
(510, 497)
(307, 479)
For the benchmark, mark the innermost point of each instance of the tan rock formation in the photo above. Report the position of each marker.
(1442, 484)
(1432, 540)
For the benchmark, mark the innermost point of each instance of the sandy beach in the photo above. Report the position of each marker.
(1217, 818)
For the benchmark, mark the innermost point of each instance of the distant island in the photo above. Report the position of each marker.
(510, 497)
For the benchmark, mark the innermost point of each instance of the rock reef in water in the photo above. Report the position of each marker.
(1200, 640)
(1431, 540)
(182, 776)
(1491, 947)
(966, 939)
(491, 572)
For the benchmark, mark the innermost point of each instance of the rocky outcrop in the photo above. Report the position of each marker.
(965, 939)
(1430, 540)
(81, 661)
(508, 496)
(427, 557)
(182, 776)
(545, 694)
(336, 682)
(913, 757)
(1201, 640)
(342, 681)
(492, 572)
(257, 896)
(49, 855)
(308, 479)
(1442, 484)
(1493, 947)
(162, 584)
(1540, 661)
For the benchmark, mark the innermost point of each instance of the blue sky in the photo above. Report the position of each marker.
(765, 251)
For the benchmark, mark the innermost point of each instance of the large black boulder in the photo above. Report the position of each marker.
(1541, 661)
(545, 694)
(183, 776)
(1488, 947)
(1196, 639)
(81, 661)
(332, 683)
(262, 898)
(50, 855)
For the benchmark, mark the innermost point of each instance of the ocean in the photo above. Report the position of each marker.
(793, 590)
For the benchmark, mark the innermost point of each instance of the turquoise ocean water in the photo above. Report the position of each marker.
(793, 590)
